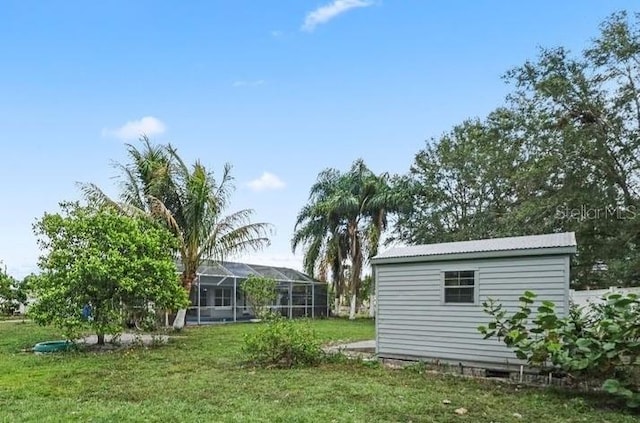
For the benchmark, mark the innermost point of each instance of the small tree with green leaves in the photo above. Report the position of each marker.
(260, 292)
(8, 299)
(23, 289)
(97, 266)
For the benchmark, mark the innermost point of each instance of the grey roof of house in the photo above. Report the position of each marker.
(244, 270)
(556, 243)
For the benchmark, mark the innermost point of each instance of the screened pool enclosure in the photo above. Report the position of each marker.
(216, 295)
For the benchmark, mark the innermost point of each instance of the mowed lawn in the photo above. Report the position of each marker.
(200, 377)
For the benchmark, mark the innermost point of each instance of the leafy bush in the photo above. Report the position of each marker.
(8, 305)
(598, 342)
(98, 264)
(13, 293)
(283, 343)
(260, 292)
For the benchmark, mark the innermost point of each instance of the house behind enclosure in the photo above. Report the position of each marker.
(217, 296)
(429, 297)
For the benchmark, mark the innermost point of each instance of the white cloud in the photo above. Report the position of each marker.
(325, 13)
(277, 33)
(268, 181)
(132, 130)
(243, 83)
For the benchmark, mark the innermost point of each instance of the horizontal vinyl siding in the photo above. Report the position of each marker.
(412, 320)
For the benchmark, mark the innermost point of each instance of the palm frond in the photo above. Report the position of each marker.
(94, 195)
(233, 234)
(156, 182)
(160, 211)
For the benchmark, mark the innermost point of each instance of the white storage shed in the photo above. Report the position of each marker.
(429, 297)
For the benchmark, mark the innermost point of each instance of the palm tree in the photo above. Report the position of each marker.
(326, 246)
(148, 174)
(190, 202)
(343, 222)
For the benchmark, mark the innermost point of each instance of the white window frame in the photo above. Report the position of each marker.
(476, 284)
(215, 297)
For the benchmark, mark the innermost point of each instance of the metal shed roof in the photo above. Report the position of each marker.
(243, 270)
(556, 243)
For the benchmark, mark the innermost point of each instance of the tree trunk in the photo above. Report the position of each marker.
(340, 291)
(352, 308)
(356, 267)
(178, 322)
(100, 338)
(187, 282)
(355, 284)
(336, 305)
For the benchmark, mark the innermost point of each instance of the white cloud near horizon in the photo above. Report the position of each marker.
(324, 14)
(266, 182)
(243, 83)
(276, 33)
(134, 129)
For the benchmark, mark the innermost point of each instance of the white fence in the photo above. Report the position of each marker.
(582, 298)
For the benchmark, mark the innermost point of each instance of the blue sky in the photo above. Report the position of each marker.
(286, 88)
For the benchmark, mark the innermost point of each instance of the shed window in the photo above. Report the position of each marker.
(459, 286)
(222, 297)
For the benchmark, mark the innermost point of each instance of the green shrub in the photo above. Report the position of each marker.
(600, 342)
(284, 343)
(260, 292)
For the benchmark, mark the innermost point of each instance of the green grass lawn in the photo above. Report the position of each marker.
(200, 377)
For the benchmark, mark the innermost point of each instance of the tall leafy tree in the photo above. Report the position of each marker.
(190, 202)
(105, 262)
(563, 155)
(580, 120)
(343, 222)
(462, 183)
